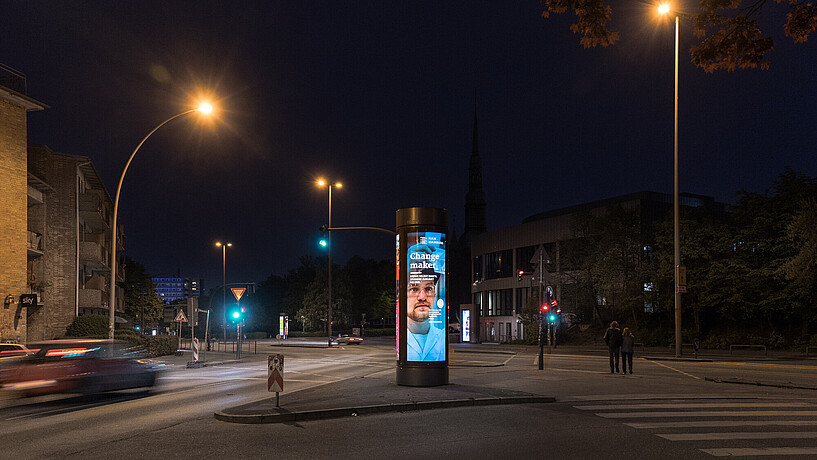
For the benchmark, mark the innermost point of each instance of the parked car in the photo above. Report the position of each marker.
(13, 350)
(77, 366)
(349, 339)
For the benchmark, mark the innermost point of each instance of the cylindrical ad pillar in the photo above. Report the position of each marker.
(422, 306)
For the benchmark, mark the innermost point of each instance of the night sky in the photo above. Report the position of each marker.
(380, 96)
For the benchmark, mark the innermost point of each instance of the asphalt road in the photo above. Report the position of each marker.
(666, 409)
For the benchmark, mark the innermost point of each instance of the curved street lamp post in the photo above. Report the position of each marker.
(203, 108)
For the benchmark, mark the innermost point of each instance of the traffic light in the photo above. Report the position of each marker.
(520, 275)
(237, 314)
(323, 241)
(545, 308)
(552, 317)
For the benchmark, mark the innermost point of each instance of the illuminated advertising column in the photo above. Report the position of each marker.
(422, 306)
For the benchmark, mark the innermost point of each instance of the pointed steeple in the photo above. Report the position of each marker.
(475, 198)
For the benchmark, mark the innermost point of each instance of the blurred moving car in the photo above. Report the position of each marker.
(349, 339)
(84, 366)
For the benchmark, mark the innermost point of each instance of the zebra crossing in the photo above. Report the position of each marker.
(716, 425)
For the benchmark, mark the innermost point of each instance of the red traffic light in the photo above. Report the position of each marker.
(521, 272)
(545, 307)
(559, 311)
(243, 310)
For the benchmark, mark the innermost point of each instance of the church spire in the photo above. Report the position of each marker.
(475, 198)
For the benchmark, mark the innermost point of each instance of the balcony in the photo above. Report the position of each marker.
(93, 212)
(92, 298)
(94, 255)
(35, 244)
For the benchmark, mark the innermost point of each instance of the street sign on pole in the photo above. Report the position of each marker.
(275, 375)
(238, 292)
(180, 317)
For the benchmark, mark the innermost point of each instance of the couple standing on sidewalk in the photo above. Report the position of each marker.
(619, 342)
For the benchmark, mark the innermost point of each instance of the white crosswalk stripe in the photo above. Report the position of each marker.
(742, 427)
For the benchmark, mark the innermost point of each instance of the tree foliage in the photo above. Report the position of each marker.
(729, 33)
(751, 275)
(361, 287)
(141, 300)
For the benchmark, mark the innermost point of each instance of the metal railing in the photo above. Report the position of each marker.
(762, 347)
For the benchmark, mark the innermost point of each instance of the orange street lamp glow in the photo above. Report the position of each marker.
(664, 8)
(205, 108)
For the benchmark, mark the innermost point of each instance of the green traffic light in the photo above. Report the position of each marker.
(323, 243)
(552, 318)
(236, 314)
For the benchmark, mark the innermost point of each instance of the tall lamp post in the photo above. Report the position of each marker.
(665, 9)
(223, 247)
(203, 108)
(323, 183)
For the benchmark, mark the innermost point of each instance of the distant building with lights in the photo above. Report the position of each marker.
(172, 289)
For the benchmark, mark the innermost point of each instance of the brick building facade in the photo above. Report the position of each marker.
(14, 235)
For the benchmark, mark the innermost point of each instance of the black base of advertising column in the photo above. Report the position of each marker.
(422, 305)
(421, 376)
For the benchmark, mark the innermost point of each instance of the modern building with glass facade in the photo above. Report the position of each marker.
(499, 255)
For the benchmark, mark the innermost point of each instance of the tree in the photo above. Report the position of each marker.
(141, 300)
(731, 37)
(801, 268)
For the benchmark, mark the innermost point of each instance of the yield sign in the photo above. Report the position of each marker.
(180, 318)
(238, 292)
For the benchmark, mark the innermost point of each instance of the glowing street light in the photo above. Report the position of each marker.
(323, 183)
(664, 9)
(204, 108)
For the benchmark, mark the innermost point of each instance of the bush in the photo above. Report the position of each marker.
(256, 335)
(160, 345)
(95, 326)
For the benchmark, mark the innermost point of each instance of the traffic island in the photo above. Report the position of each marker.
(282, 415)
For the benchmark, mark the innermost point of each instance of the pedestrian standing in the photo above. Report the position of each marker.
(612, 337)
(627, 342)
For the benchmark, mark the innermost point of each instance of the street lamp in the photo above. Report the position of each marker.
(323, 183)
(665, 9)
(223, 247)
(204, 108)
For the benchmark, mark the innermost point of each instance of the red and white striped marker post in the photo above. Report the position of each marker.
(195, 350)
(275, 375)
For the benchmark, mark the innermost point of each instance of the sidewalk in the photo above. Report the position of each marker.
(379, 392)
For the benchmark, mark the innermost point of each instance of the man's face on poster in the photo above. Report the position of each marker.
(421, 296)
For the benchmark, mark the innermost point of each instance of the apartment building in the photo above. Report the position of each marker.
(17, 192)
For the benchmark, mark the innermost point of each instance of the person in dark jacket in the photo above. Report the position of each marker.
(612, 337)
(627, 342)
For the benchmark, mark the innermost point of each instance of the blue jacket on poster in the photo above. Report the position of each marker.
(432, 350)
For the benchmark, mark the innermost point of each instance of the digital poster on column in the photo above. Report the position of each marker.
(426, 303)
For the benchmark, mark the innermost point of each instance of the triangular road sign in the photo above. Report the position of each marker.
(540, 254)
(180, 318)
(238, 292)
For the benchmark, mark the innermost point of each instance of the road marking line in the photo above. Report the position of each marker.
(739, 435)
(722, 423)
(676, 370)
(745, 451)
(726, 413)
(691, 405)
(651, 396)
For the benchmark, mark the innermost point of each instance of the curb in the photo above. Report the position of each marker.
(284, 416)
(791, 386)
